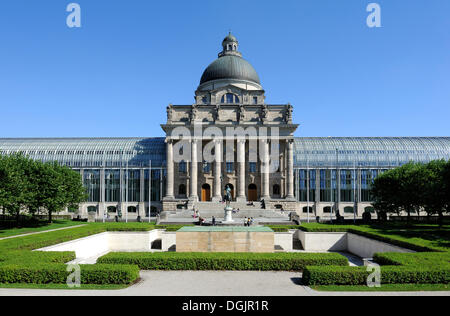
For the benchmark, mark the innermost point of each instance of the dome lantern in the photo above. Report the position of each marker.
(230, 46)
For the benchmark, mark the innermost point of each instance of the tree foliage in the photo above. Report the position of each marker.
(31, 185)
(414, 187)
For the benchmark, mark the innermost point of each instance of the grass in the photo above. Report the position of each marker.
(422, 237)
(64, 286)
(42, 227)
(419, 237)
(383, 288)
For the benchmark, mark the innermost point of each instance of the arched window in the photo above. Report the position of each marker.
(230, 98)
(112, 209)
(92, 209)
(182, 190)
(348, 209)
(182, 167)
(305, 210)
(327, 209)
(132, 209)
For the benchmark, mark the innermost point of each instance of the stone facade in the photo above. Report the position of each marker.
(251, 142)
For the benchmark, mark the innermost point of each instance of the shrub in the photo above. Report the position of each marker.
(389, 275)
(57, 273)
(224, 261)
(334, 275)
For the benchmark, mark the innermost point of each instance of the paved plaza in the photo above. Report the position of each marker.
(212, 283)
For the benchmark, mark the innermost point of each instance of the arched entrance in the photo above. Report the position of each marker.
(232, 190)
(252, 193)
(206, 193)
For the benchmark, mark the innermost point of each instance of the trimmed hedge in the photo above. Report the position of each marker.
(57, 273)
(224, 261)
(389, 275)
(427, 259)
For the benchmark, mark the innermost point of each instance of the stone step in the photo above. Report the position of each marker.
(241, 214)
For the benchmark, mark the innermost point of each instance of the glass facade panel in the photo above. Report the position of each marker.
(348, 179)
(367, 177)
(304, 177)
(112, 185)
(328, 185)
(134, 185)
(92, 184)
(158, 184)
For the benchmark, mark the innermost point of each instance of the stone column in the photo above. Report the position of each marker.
(241, 162)
(217, 171)
(290, 169)
(194, 171)
(169, 180)
(265, 169)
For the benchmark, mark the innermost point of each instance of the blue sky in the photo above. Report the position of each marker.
(115, 75)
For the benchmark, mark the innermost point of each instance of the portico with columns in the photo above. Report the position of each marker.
(251, 146)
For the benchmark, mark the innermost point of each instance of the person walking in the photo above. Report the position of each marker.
(213, 221)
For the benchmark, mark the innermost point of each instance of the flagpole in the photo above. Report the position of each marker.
(126, 197)
(307, 190)
(354, 189)
(149, 191)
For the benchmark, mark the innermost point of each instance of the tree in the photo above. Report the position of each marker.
(60, 187)
(400, 189)
(435, 198)
(15, 183)
(384, 192)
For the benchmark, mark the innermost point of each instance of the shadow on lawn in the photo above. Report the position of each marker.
(4, 226)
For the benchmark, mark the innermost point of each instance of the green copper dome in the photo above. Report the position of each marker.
(230, 67)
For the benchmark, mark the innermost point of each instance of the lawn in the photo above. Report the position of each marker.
(427, 269)
(43, 226)
(383, 288)
(22, 268)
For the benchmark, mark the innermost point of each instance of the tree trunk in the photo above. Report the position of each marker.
(441, 219)
(18, 218)
(50, 216)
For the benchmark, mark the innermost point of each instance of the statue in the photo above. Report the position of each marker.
(194, 113)
(241, 113)
(264, 113)
(228, 197)
(169, 113)
(288, 116)
(217, 113)
(228, 218)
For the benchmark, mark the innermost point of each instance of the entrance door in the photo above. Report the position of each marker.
(206, 193)
(252, 193)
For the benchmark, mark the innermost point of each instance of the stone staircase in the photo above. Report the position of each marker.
(216, 209)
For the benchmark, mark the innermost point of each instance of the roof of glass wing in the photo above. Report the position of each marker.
(310, 152)
(91, 152)
(348, 152)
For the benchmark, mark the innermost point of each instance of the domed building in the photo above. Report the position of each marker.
(229, 138)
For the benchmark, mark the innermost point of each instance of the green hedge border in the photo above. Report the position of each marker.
(224, 261)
